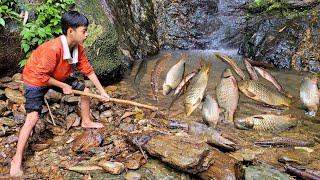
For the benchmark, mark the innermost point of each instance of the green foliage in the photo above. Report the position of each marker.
(46, 25)
(7, 11)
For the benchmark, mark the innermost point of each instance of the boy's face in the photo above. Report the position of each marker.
(79, 34)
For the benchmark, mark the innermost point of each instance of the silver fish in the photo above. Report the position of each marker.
(210, 111)
(250, 70)
(309, 94)
(174, 76)
(232, 63)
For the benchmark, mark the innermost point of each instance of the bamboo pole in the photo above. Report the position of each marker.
(121, 101)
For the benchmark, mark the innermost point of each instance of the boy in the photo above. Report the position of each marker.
(49, 65)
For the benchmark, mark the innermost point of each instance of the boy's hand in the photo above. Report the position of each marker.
(106, 96)
(67, 89)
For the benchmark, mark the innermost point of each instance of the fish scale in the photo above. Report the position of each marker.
(227, 95)
(260, 92)
(309, 93)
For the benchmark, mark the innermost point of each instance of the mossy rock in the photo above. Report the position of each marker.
(102, 43)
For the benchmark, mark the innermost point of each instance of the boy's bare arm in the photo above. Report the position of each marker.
(98, 85)
(66, 88)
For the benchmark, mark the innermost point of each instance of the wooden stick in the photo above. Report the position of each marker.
(115, 100)
(54, 123)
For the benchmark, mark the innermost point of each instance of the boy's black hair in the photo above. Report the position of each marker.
(73, 19)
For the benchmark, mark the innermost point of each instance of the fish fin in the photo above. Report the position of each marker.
(258, 117)
(234, 82)
(250, 94)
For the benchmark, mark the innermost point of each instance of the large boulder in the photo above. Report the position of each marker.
(102, 44)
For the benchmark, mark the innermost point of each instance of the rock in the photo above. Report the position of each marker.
(106, 114)
(111, 167)
(19, 117)
(15, 96)
(3, 107)
(135, 161)
(187, 153)
(110, 89)
(71, 99)
(12, 85)
(7, 122)
(12, 139)
(71, 119)
(221, 168)
(132, 176)
(87, 140)
(264, 173)
(53, 95)
(2, 95)
(5, 79)
(17, 78)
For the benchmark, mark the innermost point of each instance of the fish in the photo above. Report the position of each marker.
(156, 71)
(211, 135)
(142, 69)
(268, 76)
(174, 76)
(266, 122)
(210, 111)
(232, 63)
(309, 94)
(197, 88)
(182, 85)
(265, 108)
(284, 142)
(250, 70)
(227, 94)
(262, 93)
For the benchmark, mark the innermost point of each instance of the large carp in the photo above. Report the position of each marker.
(232, 63)
(309, 94)
(227, 94)
(210, 111)
(156, 73)
(174, 76)
(262, 93)
(266, 122)
(197, 88)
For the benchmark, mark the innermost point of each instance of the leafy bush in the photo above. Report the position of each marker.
(7, 11)
(46, 25)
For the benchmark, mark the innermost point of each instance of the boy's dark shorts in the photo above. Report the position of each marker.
(35, 95)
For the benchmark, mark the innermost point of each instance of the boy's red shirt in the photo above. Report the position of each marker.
(47, 61)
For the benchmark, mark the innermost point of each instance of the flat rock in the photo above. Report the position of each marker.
(187, 153)
(15, 96)
(3, 106)
(111, 167)
(132, 176)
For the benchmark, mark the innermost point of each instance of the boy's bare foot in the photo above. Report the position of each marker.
(15, 170)
(91, 124)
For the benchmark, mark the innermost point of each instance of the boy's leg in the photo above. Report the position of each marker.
(25, 131)
(85, 113)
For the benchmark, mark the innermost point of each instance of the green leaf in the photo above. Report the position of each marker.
(25, 47)
(22, 62)
(2, 22)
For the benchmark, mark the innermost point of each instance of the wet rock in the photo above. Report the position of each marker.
(12, 85)
(87, 140)
(53, 95)
(2, 95)
(19, 117)
(71, 119)
(3, 107)
(132, 176)
(12, 139)
(5, 79)
(186, 153)
(15, 96)
(135, 161)
(106, 114)
(221, 168)
(40, 127)
(298, 156)
(264, 173)
(71, 99)
(17, 78)
(127, 127)
(7, 121)
(2, 130)
(111, 167)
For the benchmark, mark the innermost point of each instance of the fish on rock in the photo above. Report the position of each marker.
(195, 92)
(228, 94)
(155, 74)
(210, 111)
(262, 93)
(309, 94)
(174, 76)
(267, 122)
